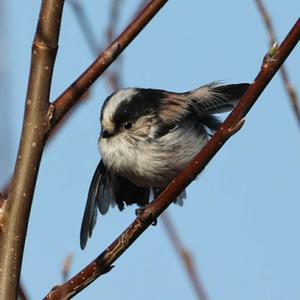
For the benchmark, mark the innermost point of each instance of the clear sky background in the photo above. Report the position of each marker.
(241, 219)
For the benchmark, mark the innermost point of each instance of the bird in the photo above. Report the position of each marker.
(147, 137)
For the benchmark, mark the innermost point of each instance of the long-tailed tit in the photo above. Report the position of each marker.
(147, 137)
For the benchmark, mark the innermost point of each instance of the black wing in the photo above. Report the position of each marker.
(107, 190)
(97, 188)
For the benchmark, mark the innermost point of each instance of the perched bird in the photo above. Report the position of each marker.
(147, 137)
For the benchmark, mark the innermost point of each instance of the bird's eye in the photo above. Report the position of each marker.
(127, 125)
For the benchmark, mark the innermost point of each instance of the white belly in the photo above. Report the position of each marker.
(151, 163)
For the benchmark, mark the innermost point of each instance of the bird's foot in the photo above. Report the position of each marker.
(139, 212)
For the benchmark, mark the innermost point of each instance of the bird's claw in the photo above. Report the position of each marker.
(140, 211)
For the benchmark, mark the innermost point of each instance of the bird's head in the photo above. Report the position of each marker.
(139, 114)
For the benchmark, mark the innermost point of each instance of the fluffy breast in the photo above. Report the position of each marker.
(152, 162)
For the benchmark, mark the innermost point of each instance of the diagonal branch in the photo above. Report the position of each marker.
(111, 77)
(114, 84)
(14, 222)
(22, 293)
(103, 263)
(65, 101)
(185, 257)
(284, 74)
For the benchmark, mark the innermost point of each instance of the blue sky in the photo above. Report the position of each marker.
(241, 219)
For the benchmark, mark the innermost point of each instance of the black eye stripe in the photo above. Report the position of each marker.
(144, 102)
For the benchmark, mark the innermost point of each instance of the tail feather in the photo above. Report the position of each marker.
(213, 98)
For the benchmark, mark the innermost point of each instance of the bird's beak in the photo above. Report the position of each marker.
(105, 134)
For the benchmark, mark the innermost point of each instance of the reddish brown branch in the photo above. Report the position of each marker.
(34, 133)
(185, 256)
(22, 293)
(103, 263)
(64, 102)
(284, 74)
(111, 76)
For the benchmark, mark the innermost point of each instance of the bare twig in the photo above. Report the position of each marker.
(141, 6)
(65, 101)
(66, 267)
(34, 133)
(284, 74)
(84, 23)
(113, 77)
(103, 263)
(185, 256)
(22, 293)
(113, 20)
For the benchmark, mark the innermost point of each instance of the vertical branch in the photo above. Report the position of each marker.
(284, 74)
(36, 122)
(185, 256)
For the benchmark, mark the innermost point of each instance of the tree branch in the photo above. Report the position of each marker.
(284, 74)
(34, 133)
(85, 25)
(114, 84)
(66, 267)
(22, 295)
(113, 81)
(185, 257)
(64, 102)
(103, 263)
(39, 121)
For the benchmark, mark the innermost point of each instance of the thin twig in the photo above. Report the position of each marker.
(113, 77)
(66, 267)
(185, 257)
(65, 101)
(284, 74)
(85, 25)
(34, 133)
(22, 293)
(103, 263)
(113, 20)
